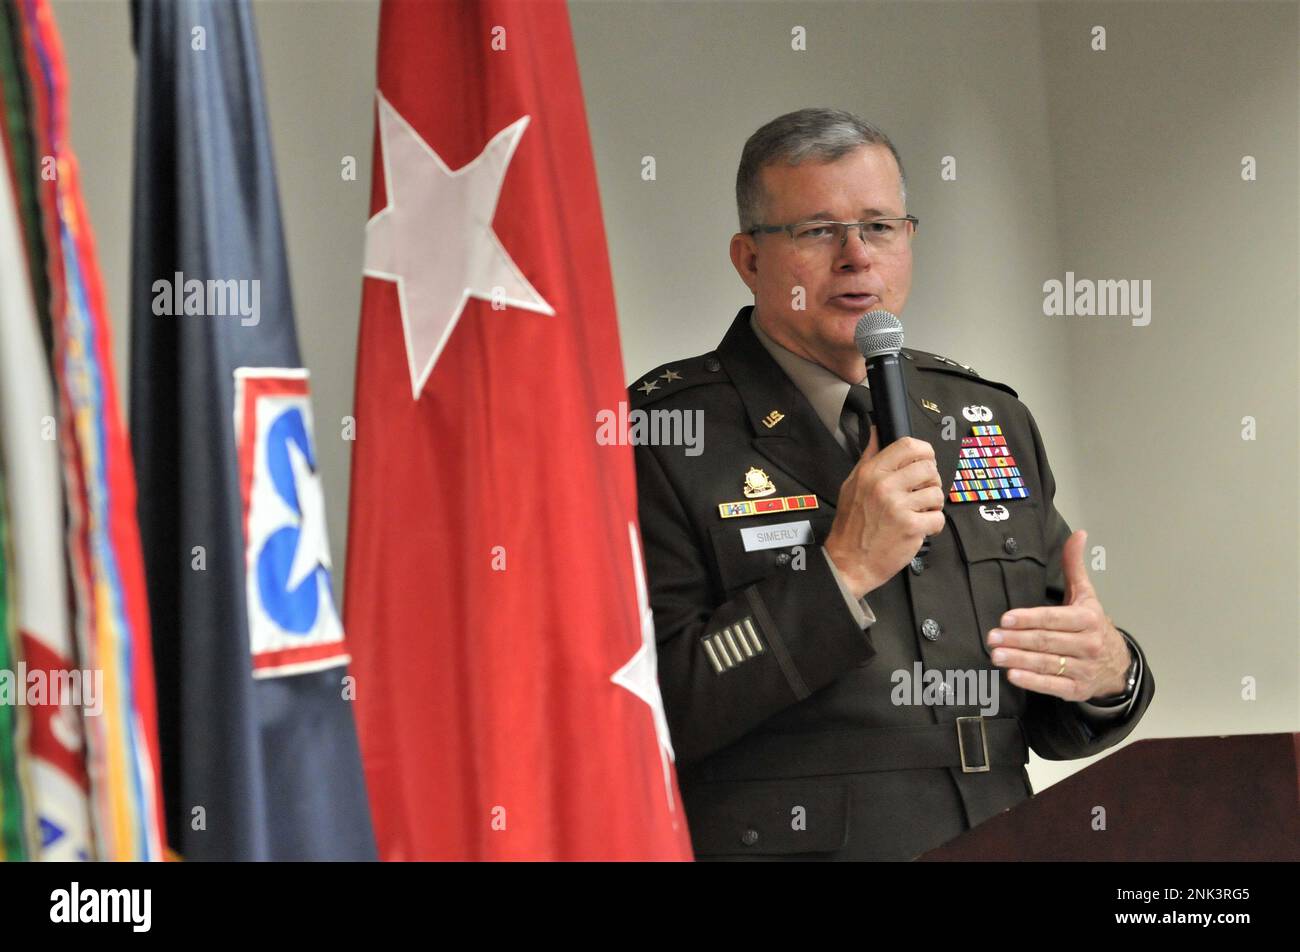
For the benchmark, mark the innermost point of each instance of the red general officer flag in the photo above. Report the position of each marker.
(506, 690)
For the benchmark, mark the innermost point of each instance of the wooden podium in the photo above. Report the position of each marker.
(1229, 798)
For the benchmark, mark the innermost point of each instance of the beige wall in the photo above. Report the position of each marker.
(1106, 164)
(318, 66)
(1200, 525)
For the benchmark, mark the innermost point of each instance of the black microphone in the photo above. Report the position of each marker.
(879, 336)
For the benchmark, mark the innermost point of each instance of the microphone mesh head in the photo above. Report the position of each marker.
(878, 332)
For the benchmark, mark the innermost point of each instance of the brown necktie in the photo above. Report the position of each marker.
(857, 407)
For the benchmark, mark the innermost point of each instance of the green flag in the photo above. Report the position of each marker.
(13, 823)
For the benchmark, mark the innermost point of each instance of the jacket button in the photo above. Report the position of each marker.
(917, 566)
(782, 558)
(1011, 544)
(712, 365)
(931, 629)
(749, 837)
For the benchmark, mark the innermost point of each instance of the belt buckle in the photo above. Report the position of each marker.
(961, 745)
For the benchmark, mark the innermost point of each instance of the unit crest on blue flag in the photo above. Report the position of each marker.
(292, 623)
(986, 469)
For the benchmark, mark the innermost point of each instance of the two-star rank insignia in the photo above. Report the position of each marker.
(650, 385)
(986, 469)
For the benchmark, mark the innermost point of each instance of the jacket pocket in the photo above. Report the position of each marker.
(776, 817)
(1006, 562)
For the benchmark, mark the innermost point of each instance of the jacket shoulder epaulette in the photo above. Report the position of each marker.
(675, 377)
(924, 360)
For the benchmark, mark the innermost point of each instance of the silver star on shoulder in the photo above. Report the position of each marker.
(648, 386)
(671, 375)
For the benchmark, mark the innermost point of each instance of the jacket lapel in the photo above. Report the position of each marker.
(928, 424)
(798, 442)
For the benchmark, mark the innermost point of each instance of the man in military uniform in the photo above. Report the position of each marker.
(795, 611)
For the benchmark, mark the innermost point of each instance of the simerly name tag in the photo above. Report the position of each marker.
(778, 536)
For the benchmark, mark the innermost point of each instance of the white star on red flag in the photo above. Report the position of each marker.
(434, 238)
(640, 674)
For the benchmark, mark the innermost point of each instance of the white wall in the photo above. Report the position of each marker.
(1200, 526)
(1116, 164)
(1112, 164)
(318, 67)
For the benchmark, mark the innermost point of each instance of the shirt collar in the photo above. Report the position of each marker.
(824, 390)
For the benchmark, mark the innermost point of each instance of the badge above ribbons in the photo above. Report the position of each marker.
(757, 484)
(293, 626)
(986, 469)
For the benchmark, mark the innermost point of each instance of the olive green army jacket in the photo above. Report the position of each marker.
(798, 732)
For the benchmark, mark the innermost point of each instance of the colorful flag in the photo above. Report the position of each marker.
(15, 106)
(16, 836)
(52, 734)
(506, 678)
(93, 741)
(18, 840)
(259, 744)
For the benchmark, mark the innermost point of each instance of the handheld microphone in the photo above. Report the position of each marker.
(879, 336)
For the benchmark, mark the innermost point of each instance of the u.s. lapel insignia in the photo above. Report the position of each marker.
(757, 484)
(986, 470)
(773, 418)
(930, 405)
(759, 507)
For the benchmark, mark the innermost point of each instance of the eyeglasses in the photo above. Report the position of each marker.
(886, 236)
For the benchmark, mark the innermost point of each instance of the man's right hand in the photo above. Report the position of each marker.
(891, 501)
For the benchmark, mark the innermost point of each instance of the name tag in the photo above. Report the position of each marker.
(778, 536)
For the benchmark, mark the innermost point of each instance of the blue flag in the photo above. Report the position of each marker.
(259, 748)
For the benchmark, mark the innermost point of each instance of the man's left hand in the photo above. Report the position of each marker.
(1033, 643)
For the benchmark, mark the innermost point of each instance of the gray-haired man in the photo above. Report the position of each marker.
(830, 693)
